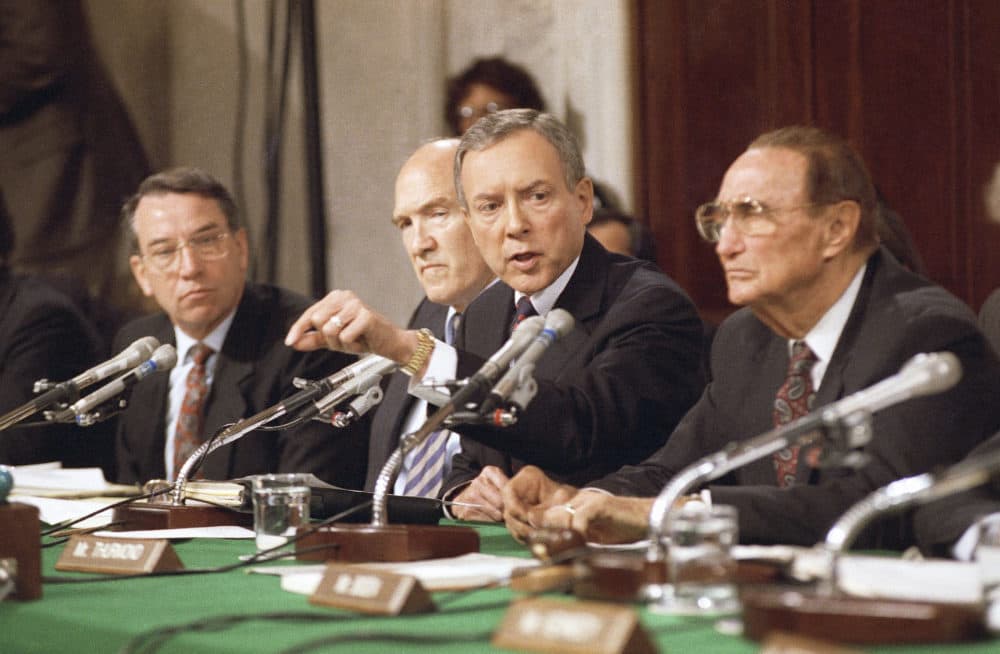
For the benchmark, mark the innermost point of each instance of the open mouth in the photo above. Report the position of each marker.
(524, 260)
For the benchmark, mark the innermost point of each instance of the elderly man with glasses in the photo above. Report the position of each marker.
(191, 256)
(827, 312)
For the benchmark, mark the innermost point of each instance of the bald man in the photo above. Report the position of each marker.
(452, 273)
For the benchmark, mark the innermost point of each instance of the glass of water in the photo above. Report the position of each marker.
(700, 562)
(280, 506)
(988, 558)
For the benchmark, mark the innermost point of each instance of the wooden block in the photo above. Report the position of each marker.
(361, 543)
(20, 547)
(857, 620)
(778, 642)
(140, 516)
(118, 556)
(548, 625)
(356, 588)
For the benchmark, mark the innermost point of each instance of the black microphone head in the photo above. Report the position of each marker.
(932, 372)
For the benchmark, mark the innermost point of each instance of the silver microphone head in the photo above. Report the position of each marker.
(559, 321)
(932, 372)
(143, 347)
(164, 357)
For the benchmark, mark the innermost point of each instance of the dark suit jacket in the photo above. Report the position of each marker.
(254, 371)
(397, 403)
(896, 315)
(43, 336)
(609, 392)
(939, 524)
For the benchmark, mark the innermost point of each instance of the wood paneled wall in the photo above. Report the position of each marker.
(913, 84)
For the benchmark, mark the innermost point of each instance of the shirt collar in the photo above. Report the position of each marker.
(822, 338)
(214, 340)
(545, 299)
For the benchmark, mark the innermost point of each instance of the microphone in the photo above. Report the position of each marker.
(164, 358)
(69, 391)
(924, 374)
(130, 357)
(357, 385)
(558, 323)
(362, 369)
(478, 384)
(475, 386)
(908, 491)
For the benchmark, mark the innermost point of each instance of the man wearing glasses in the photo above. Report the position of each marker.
(190, 254)
(827, 312)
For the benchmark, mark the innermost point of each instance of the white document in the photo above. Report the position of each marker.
(455, 573)
(52, 480)
(235, 533)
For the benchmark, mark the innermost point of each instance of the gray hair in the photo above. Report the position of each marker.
(183, 180)
(493, 128)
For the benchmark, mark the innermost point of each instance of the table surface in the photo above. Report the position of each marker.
(242, 613)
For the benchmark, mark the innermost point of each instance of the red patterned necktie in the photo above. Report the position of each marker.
(188, 435)
(795, 399)
(525, 309)
(425, 476)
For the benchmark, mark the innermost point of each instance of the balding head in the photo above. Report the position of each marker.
(434, 232)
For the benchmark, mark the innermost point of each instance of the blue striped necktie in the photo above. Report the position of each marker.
(425, 476)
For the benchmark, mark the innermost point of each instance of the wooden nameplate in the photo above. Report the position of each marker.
(549, 625)
(623, 576)
(855, 620)
(376, 592)
(20, 548)
(118, 556)
(144, 515)
(360, 543)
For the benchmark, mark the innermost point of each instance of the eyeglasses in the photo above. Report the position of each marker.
(165, 255)
(478, 112)
(750, 217)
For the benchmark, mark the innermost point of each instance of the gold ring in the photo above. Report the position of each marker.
(572, 513)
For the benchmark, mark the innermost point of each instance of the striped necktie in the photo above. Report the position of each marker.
(425, 476)
(525, 309)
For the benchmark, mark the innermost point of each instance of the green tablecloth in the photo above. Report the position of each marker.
(103, 617)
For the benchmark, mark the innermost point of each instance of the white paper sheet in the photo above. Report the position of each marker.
(455, 573)
(52, 480)
(235, 533)
(52, 510)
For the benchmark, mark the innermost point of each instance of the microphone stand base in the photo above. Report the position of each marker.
(145, 515)
(356, 543)
(857, 620)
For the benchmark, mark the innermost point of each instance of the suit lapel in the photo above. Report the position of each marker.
(583, 298)
(838, 371)
(151, 397)
(233, 375)
(487, 320)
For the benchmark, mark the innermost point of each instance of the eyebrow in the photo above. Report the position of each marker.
(531, 186)
(201, 230)
(437, 201)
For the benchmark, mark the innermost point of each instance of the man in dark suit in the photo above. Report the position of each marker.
(191, 255)
(452, 273)
(947, 527)
(794, 228)
(610, 391)
(43, 336)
